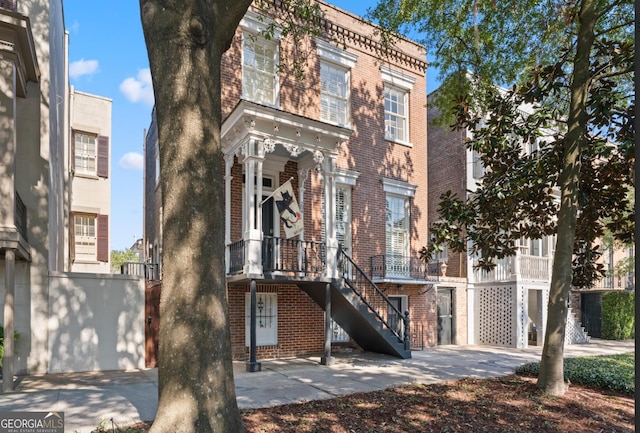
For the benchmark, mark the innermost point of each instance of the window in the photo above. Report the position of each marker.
(478, 167)
(259, 69)
(397, 227)
(85, 237)
(343, 216)
(266, 319)
(334, 94)
(397, 86)
(395, 114)
(90, 237)
(91, 154)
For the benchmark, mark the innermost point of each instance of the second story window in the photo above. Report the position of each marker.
(395, 114)
(259, 69)
(397, 88)
(334, 94)
(90, 154)
(85, 153)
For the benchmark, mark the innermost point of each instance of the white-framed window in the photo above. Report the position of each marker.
(334, 94)
(86, 153)
(397, 87)
(397, 227)
(343, 216)
(395, 114)
(85, 237)
(478, 167)
(259, 69)
(266, 319)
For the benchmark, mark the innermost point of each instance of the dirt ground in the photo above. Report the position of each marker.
(509, 404)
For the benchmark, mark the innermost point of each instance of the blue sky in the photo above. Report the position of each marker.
(108, 57)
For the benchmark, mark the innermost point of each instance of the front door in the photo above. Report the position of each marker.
(591, 308)
(445, 316)
(393, 317)
(268, 243)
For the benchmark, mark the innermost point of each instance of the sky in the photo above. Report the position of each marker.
(108, 57)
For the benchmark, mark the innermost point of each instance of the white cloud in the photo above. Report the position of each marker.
(139, 89)
(132, 160)
(83, 67)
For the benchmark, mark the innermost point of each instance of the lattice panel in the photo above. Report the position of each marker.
(496, 316)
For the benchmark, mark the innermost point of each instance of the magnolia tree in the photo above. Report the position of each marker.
(571, 63)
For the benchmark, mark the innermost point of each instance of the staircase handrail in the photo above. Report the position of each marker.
(342, 255)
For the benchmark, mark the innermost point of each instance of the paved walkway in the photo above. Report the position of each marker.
(130, 396)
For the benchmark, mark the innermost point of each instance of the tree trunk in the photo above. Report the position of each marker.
(185, 42)
(551, 377)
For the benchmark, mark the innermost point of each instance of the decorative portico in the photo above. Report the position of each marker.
(264, 139)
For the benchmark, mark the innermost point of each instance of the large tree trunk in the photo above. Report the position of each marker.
(551, 377)
(185, 42)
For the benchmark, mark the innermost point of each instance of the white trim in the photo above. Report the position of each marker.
(397, 78)
(257, 23)
(347, 177)
(326, 51)
(398, 187)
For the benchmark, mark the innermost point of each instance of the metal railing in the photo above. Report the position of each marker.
(150, 271)
(236, 257)
(21, 216)
(9, 4)
(395, 266)
(376, 301)
(293, 256)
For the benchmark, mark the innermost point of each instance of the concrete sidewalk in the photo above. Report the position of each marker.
(125, 397)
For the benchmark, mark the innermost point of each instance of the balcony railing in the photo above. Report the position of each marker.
(150, 271)
(520, 266)
(21, 216)
(293, 256)
(393, 266)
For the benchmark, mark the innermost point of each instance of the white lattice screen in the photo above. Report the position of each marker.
(496, 316)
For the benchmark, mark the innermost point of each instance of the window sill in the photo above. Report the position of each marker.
(400, 142)
(86, 175)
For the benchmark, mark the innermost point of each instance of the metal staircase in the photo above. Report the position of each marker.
(363, 310)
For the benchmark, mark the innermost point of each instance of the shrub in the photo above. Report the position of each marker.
(615, 372)
(16, 335)
(618, 315)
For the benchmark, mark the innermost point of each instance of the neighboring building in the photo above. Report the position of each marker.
(507, 306)
(90, 182)
(352, 140)
(67, 321)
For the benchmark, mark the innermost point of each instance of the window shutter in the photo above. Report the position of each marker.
(73, 155)
(72, 237)
(103, 156)
(103, 238)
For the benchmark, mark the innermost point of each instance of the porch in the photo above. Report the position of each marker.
(516, 268)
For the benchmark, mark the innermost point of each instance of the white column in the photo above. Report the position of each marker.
(252, 234)
(303, 174)
(330, 216)
(228, 163)
(9, 284)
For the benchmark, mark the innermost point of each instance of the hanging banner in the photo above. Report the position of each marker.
(288, 209)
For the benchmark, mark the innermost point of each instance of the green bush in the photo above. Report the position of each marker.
(618, 315)
(15, 338)
(615, 372)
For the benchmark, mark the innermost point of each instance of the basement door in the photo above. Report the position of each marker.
(445, 316)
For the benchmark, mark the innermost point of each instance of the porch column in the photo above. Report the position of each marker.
(327, 359)
(252, 235)
(228, 163)
(303, 174)
(253, 366)
(330, 216)
(9, 284)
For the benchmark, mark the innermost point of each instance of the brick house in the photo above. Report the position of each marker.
(349, 144)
